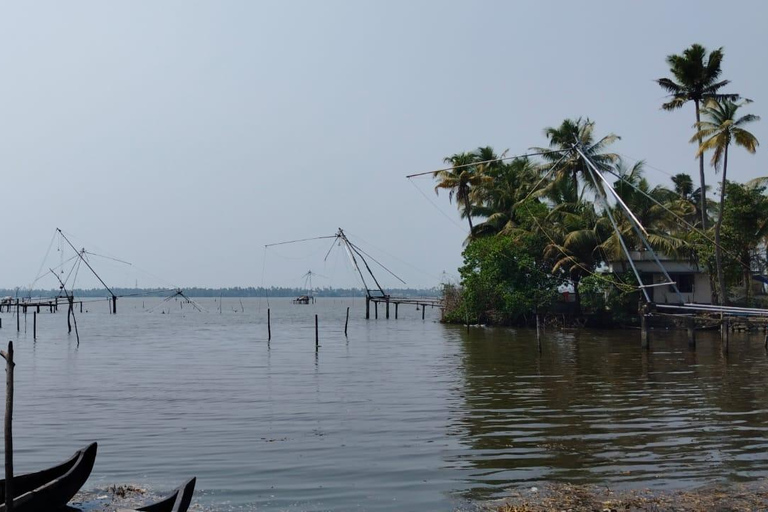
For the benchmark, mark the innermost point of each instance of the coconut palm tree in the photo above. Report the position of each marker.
(696, 79)
(464, 176)
(657, 209)
(575, 232)
(499, 202)
(721, 128)
(563, 139)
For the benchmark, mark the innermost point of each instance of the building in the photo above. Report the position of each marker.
(694, 284)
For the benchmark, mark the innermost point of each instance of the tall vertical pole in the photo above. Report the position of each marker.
(367, 307)
(8, 356)
(538, 334)
(269, 325)
(346, 322)
(691, 331)
(317, 335)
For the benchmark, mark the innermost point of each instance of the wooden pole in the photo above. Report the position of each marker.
(396, 307)
(387, 308)
(81, 306)
(346, 322)
(538, 333)
(367, 308)
(691, 329)
(317, 335)
(34, 325)
(423, 311)
(375, 310)
(644, 338)
(8, 356)
(269, 325)
(18, 318)
(70, 312)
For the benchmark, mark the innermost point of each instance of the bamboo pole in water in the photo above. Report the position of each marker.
(269, 325)
(8, 356)
(346, 322)
(317, 336)
(538, 334)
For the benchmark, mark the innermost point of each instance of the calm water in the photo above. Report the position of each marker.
(404, 414)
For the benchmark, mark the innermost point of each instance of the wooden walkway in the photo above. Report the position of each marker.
(422, 302)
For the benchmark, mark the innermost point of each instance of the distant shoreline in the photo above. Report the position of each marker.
(218, 292)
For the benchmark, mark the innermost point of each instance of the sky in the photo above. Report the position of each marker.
(184, 136)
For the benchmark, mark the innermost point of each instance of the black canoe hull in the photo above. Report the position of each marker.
(178, 501)
(51, 488)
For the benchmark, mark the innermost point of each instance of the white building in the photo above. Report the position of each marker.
(693, 283)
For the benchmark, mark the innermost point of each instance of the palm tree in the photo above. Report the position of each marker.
(464, 176)
(695, 79)
(575, 233)
(655, 208)
(716, 133)
(499, 202)
(564, 138)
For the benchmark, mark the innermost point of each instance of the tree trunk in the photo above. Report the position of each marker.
(703, 197)
(468, 209)
(718, 250)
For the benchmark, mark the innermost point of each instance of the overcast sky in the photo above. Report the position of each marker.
(183, 136)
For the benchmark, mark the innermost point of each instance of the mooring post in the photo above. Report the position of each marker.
(538, 333)
(725, 325)
(387, 308)
(81, 306)
(644, 338)
(317, 335)
(423, 310)
(346, 322)
(8, 356)
(1, 323)
(375, 310)
(18, 317)
(269, 325)
(691, 329)
(396, 307)
(34, 325)
(367, 308)
(70, 312)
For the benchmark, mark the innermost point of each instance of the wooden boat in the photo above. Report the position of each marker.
(178, 501)
(51, 488)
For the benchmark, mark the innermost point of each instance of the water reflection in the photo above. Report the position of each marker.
(595, 408)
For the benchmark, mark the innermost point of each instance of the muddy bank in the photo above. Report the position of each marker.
(573, 498)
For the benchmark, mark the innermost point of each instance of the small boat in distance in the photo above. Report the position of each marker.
(52, 488)
(178, 501)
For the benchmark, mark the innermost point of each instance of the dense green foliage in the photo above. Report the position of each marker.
(537, 225)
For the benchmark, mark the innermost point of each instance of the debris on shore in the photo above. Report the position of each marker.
(582, 498)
